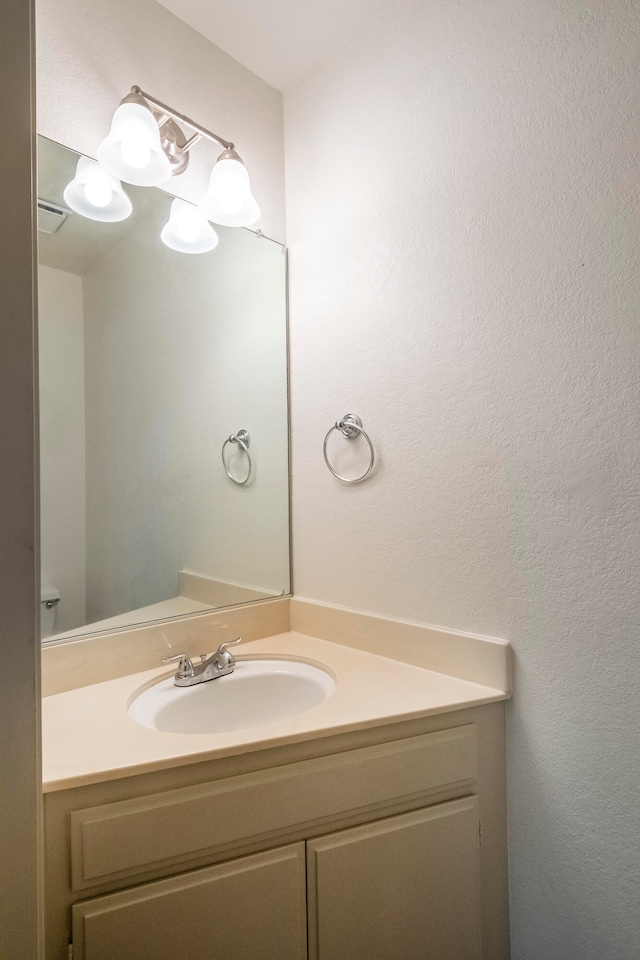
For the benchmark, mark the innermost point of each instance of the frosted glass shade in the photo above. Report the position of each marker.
(187, 229)
(132, 150)
(95, 194)
(228, 199)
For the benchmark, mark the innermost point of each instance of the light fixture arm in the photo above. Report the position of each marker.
(170, 112)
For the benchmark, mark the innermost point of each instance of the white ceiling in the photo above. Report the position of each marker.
(280, 40)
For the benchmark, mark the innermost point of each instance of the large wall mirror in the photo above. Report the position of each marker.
(149, 360)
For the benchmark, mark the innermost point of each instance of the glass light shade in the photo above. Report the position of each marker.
(228, 199)
(132, 150)
(187, 229)
(95, 194)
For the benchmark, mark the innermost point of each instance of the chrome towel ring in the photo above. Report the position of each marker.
(243, 440)
(350, 426)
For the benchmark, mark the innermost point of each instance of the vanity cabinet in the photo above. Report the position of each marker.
(404, 887)
(384, 844)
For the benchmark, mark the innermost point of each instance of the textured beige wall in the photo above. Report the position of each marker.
(20, 802)
(463, 216)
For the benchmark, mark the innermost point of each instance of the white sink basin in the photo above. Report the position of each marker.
(258, 692)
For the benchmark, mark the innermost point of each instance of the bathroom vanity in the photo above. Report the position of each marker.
(372, 826)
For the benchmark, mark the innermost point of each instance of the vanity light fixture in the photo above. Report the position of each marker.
(188, 230)
(147, 145)
(229, 200)
(96, 194)
(133, 150)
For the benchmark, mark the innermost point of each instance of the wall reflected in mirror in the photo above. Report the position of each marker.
(149, 360)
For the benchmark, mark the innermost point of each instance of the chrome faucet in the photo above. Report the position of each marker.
(210, 668)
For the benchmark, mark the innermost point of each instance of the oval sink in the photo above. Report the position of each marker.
(258, 692)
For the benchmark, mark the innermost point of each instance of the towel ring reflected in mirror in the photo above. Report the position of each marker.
(243, 440)
(350, 426)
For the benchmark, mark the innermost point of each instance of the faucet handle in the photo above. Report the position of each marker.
(185, 667)
(223, 652)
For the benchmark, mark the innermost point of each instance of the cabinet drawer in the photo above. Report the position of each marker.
(121, 839)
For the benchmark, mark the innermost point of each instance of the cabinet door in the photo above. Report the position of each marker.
(404, 888)
(253, 908)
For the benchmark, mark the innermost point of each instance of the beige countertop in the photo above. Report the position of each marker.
(88, 736)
